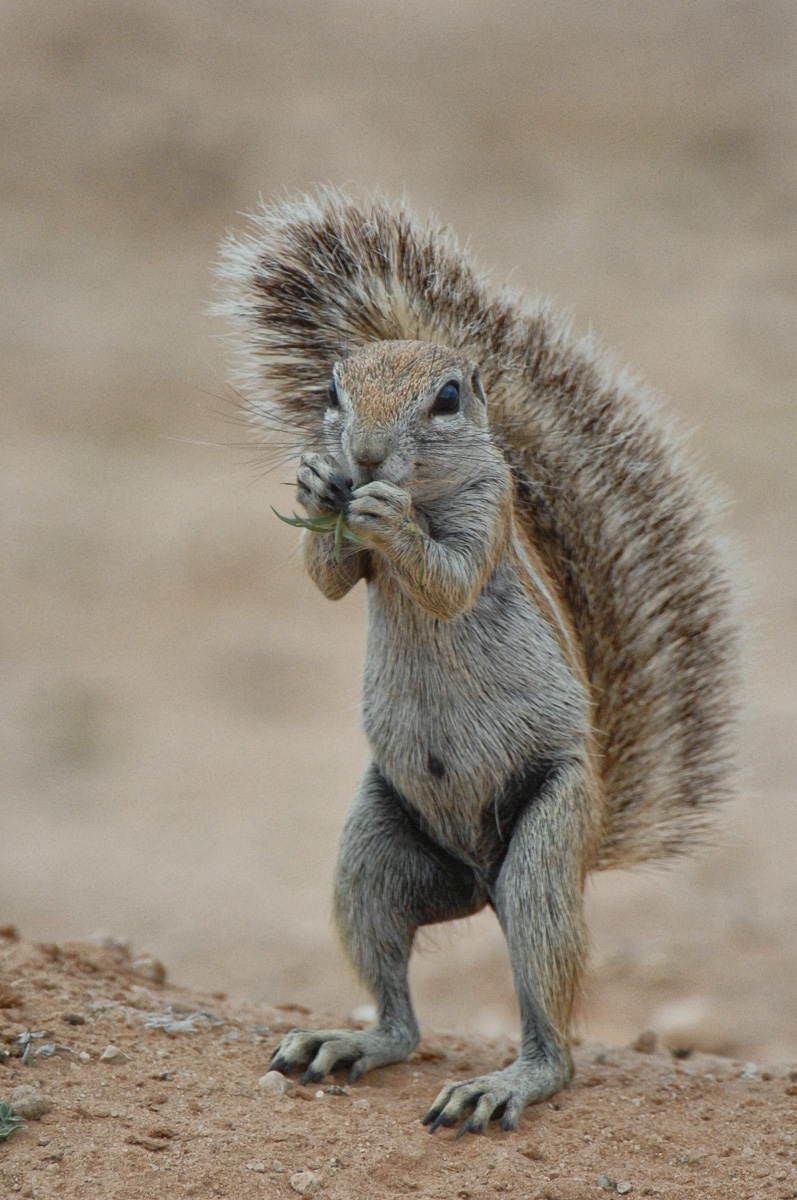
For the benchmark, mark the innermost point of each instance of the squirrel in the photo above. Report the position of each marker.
(551, 649)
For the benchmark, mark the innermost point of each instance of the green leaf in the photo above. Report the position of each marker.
(325, 524)
(340, 525)
(9, 1121)
(334, 523)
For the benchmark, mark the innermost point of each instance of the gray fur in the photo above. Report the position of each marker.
(549, 648)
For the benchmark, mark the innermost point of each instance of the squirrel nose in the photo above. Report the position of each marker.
(370, 462)
(366, 460)
(366, 468)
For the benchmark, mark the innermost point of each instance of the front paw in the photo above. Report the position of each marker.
(321, 486)
(378, 512)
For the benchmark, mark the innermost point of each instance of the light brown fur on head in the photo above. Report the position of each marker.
(387, 377)
(384, 414)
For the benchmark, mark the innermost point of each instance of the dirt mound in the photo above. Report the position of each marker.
(146, 1088)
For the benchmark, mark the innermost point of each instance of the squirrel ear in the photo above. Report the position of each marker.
(476, 384)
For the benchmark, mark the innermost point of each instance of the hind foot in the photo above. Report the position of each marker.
(502, 1094)
(324, 1050)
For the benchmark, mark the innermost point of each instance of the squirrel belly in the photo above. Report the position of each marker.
(457, 710)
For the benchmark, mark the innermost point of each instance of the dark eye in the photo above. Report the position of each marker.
(447, 399)
(333, 395)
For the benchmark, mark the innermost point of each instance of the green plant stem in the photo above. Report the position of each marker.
(334, 523)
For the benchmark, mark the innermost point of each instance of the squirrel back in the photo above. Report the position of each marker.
(602, 488)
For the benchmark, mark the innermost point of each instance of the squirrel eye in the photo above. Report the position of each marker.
(447, 399)
(333, 395)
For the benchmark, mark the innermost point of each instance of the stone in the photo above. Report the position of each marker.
(30, 1103)
(112, 1054)
(645, 1043)
(692, 1024)
(306, 1183)
(275, 1084)
(149, 968)
(623, 1187)
(365, 1014)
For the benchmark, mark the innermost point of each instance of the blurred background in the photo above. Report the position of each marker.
(179, 715)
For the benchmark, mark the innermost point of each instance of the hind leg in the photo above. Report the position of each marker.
(538, 899)
(390, 880)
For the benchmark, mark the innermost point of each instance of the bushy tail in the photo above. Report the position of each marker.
(602, 487)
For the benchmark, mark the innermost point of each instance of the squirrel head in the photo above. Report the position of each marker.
(411, 413)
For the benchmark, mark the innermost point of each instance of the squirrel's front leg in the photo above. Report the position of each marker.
(322, 490)
(443, 576)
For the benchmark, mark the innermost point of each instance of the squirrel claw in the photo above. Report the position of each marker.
(500, 1096)
(323, 1051)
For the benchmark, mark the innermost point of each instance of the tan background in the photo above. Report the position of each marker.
(179, 707)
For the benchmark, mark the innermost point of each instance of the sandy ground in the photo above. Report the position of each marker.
(155, 1091)
(178, 708)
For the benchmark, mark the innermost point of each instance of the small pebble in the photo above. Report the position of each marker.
(306, 1183)
(275, 1084)
(623, 1187)
(84, 1056)
(692, 1023)
(363, 1015)
(319, 1094)
(645, 1043)
(603, 1181)
(149, 968)
(277, 1166)
(750, 1071)
(112, 1054)
(257, 1166)
(73, 1018)
(29, 1102)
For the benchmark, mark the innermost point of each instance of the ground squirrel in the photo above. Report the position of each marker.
(550, 660)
